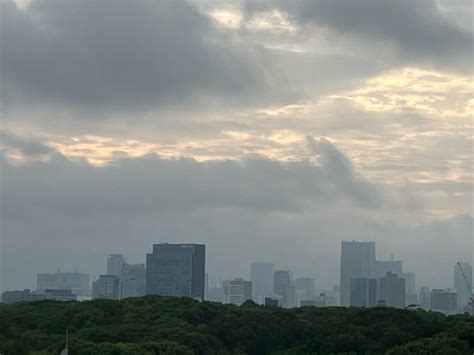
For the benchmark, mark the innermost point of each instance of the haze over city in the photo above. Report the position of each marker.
(270, 131)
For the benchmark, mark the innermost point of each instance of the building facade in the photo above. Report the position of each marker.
(392, 290)
(363, 292)
(176, 270)
(78, 283)
(115, 264)
(305, 288)
(261, 275)
(106, 286)
(237, 291)
(133, 280)
(357, 261)
(445, 301)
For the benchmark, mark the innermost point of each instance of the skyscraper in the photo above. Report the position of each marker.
(281, 283)
(261, 275)
(392, 290)
(363, 292)
(176, 270)
(425, 297)
(305, 285)
(463, 283)
(357, 261)
(410, 288)
(114, 264)
(237, 291)
(132, 280)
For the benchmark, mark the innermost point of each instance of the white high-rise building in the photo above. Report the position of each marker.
(463, 284)
(237, 291)
(392, 290)
(261, 275)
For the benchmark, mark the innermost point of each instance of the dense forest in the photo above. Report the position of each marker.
(169, 325)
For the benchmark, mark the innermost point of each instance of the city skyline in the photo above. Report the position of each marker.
(267, 130)
(179, 270)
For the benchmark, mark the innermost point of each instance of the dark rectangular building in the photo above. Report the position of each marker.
(176, 270)
(363, 292)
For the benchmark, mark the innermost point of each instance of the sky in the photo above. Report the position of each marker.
(268, 130)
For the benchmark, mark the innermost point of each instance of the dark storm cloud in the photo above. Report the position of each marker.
(29, 146)
(418, 28)
(123, 54)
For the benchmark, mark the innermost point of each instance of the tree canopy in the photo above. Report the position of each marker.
(171, 325)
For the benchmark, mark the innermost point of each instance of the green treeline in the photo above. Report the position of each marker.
(169, 325)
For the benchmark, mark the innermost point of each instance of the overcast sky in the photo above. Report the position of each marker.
(268, 130)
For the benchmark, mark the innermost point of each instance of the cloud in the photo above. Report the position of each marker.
(29, 146)
(74, 214)
(113, 56)
(419, 30)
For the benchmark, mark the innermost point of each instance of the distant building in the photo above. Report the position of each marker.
(463, 284)
(270, 302)
(237, 291)
(132, 280)
(306, 285)
(425, 298)
(261, 275)
(410, 288)
(363, 292)
(78, 283)
(312, 304)
(107, 286)
(392, 290)
(30, 296)
(215, 294)
(115, 263)
(176, 270)
(357, 262)
(281, 282)
(382, 267)
(290, 299)
(444, 301)
(22, 296)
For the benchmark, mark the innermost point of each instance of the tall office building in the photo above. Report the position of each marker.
(106, 286)
(410, 288)
(78, 283)
(363, 292)
(463, 283)
(176, 270)
(357, 261)
(281, 283)
(425, 297)
(305, 288)
(392, 290)
(115, 263)
(237, 291)
(132, 280)
(261, 275)
(444, 301)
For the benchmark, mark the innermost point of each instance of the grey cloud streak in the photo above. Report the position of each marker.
(418, 29)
